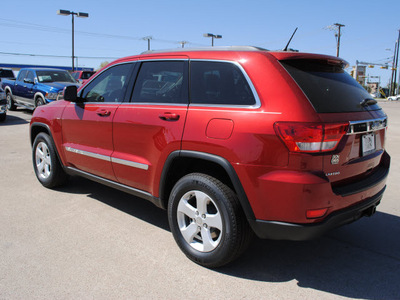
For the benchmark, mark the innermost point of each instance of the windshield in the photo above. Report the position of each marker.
(54, 76)
(328, 87)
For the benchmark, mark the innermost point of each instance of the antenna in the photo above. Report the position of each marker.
(287, 45)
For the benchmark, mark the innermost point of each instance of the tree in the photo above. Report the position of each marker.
(103, 64)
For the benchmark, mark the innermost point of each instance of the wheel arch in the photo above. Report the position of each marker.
(7, 89)
(39, 95)
(181, 163)
(37, 128)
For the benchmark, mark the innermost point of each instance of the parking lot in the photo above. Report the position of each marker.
(86, 240)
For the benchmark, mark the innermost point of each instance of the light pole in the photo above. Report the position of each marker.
(212, 36)
(148, 38)
(64, 12)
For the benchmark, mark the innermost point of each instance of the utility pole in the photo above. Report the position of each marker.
(339, 26)
(391, 87)
(396, 89)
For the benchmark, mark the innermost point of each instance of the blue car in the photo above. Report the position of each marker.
(36, 86)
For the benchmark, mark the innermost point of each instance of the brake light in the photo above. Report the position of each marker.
(310, 137)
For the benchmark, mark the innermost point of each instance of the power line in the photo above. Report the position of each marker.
(57, 56)
(32, 26)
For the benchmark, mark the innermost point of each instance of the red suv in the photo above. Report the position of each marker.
(231, 141)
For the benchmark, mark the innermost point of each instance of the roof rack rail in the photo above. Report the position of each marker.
(219, 48)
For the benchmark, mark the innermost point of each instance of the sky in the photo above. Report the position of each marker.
(115, 29)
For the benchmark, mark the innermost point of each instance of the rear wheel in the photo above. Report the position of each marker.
(10, 102)
(47, 167)
(207, 221)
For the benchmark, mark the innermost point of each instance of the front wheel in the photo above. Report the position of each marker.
(47, 167)
(39, 102)
(207, 221)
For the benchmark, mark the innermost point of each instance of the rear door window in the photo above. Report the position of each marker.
(161, 82)
(328, 87)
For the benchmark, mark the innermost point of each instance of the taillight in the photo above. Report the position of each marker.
(310, 137)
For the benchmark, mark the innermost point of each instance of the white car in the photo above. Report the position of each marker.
(394, 98)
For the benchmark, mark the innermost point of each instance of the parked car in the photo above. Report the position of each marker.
(230, 141)
(3, 105)
(82, 76)
(394, 98)
(35, 86)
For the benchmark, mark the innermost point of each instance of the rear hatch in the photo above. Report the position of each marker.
(338, 98)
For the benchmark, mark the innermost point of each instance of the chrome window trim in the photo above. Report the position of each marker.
(108, 158)
(109, 67)
(371, 125)
(185, 105)
(249, 82)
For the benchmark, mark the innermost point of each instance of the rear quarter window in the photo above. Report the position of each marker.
(220, 83)
(327, 86)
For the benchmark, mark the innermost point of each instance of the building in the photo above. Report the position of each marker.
(17, 67)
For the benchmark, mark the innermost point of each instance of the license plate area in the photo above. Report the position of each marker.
(367, 144)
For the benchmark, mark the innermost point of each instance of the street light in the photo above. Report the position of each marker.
(212, 36)
(63, 12)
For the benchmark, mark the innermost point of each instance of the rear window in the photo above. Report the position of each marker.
(328, 87)
(86, 74)
(6, 74)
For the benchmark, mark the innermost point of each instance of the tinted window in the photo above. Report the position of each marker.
(30, 76)
(161, 82)
(86, 74)
(219, 83)
(109, 86)
(328, 87)
(6, 74)
(22, 75)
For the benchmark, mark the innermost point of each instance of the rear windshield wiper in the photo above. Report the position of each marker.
(368, 101)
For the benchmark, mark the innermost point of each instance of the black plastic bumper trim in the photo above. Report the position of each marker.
(301, 232)
(362, 185)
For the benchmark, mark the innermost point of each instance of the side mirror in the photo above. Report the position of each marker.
(27, 80)
(71, 93)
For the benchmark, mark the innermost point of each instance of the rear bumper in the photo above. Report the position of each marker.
(299, 232)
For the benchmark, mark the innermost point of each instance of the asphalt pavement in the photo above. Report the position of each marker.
(88, 241)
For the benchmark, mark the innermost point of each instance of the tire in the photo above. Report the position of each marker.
(3, 117)
(47, 167)
(207, 221)
(10, 102)
(39, 102)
